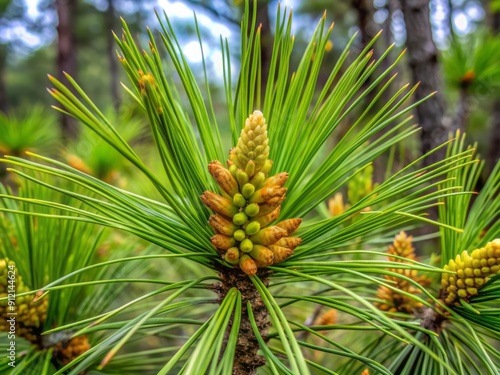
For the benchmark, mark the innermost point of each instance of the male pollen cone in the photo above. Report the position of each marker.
(393, 300)
(251, 203)
(472, 271)
(30, 315)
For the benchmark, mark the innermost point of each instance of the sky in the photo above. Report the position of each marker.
(16, 31)
(466, 14)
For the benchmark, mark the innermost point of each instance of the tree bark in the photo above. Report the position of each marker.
(423, 62)
(463, 108)
(494, 149)
(449, 19)
(66, 54)
(366, 24)
(368, 28)
(266, 38)
(3, 89)
(113, 65)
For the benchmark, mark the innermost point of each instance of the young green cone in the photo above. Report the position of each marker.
(244, 234)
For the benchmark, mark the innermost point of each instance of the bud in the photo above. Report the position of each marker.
(214, 165)
(336, 205)
(223, 178)
(269, 206)
(240, 218)
(221, 225)
(232, 255)
(147, 84)
(242, 177)
(402, 246)
(267, 167)
(249, 193)
(289, 225)
(250, 168)
(246, 245)
(247, 190)
(247, 265)
(258, 180)
(233, 157)
(360, 185)
(239, 235)
(239, 200)
(222, 242)
(252, 209)
(280, 253)
(233, 169)
(262, 255)
(278, 180)
(326, 319)
(289, 242)
(266, 194)
(252, 228)
(268, 236)
(269, 218)
(218, 204)
(394, 301)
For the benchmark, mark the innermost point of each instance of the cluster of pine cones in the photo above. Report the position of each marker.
(250, 203)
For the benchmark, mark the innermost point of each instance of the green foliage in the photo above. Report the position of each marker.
(479, 216)
(94, 156)
(470, 64)
(28, 129)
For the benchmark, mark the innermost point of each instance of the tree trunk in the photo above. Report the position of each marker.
(368, 29)
(66, 54)
(463, 108)
(366, 24)
(113, 65)
(494, 134)
(3, 89)
(266, 38)
(449, 20)
(425, 69)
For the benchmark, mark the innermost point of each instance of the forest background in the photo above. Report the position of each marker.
(452, 49)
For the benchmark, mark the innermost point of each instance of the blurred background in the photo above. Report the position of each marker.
(453, 48)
